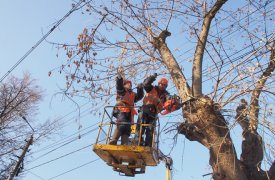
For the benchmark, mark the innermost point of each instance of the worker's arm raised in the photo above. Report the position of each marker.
(140, 92)
(148, 82)
(119, 85)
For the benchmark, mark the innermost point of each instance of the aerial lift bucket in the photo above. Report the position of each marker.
(129, 159)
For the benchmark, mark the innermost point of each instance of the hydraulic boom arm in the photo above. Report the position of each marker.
(168, 164)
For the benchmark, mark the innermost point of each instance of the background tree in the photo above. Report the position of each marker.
(227, 50)
(18, 106)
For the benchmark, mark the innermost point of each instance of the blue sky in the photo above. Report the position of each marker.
(23, 24)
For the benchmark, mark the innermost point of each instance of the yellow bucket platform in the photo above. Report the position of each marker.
(126, 159)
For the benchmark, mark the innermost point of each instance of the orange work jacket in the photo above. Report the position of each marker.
(126, 103)
(152, 98)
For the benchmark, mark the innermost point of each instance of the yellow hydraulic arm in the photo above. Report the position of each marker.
(168, 173)
(168, 169)
(168, 164)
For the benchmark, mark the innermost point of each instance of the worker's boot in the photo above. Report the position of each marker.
(149, 137)
(142, 143)
(113, 142)
(124, 139)
(115, 137)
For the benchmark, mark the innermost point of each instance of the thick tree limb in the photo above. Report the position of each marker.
(172, 65)
(252, 144)
(197, 65)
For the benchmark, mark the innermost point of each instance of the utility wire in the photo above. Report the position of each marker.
(90, 162)
(60, 118)
(72, 140)
(41, 40)
(47, 162)
(66, 139)
(37, 175)
(60, 157)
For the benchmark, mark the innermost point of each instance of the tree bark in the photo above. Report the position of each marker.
(212, 132)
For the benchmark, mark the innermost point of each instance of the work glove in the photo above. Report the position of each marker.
(119, 72)
(119, 76)
(153, 77)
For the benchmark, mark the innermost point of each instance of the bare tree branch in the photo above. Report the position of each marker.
(254, 103)
(198, 58)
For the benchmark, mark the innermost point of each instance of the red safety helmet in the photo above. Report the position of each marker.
(163, 81)
(127, 81)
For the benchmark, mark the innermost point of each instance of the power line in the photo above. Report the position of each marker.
(47, 162)
(69, 140)
(37, 175)
(67, 137)
(60, 157)
(41, 40)
(72, 140)
(90, 162)
(73, 169)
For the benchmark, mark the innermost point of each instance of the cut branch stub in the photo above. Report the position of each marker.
(241, 116)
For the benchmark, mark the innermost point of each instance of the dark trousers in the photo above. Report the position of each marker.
(146, 117)
(123, 128)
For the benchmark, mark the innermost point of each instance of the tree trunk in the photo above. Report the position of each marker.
(212, 131)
